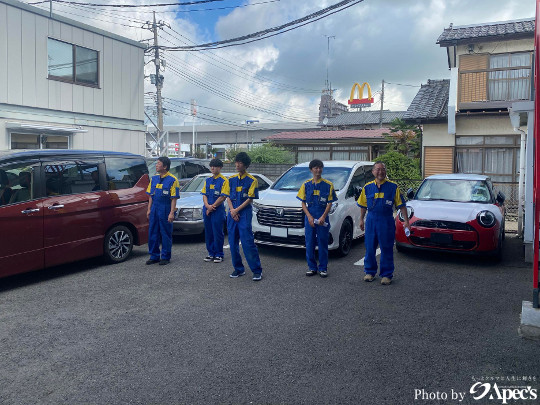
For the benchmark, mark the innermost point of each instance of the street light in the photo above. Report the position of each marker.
(247, 132)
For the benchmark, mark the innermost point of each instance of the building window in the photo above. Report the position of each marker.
(72, 63)
(510, 76)
(39, 141)
(494, 156)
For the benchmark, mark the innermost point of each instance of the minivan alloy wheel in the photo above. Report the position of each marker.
(118, 244)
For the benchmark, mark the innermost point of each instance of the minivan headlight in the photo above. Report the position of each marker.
(486, 219)
(333, 208)
(256, 207)
(410, 213)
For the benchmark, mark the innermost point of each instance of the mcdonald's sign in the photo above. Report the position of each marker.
(361, 101)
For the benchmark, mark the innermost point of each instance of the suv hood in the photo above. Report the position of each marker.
(279, 198)
(450, 211)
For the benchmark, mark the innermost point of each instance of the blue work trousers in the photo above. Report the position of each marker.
(317, 236)
(241, 232)
(160, 232)
(380, 231)
(213, 231)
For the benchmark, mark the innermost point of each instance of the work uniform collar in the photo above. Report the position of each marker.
(241, 177)
(316, 181)
(384, 181)
(164, 175)
(216, 176)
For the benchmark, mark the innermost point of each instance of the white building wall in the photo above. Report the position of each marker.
(112, 114)
(484, 125)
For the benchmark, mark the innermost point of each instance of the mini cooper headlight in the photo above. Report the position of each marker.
(410, 213)
(486, 219)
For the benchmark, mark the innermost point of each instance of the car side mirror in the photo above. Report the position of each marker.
(410, 194)
(357, 192)
(501, 197)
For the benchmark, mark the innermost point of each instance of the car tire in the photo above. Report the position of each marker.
(497, 257)
(345, 238)
(118, 244)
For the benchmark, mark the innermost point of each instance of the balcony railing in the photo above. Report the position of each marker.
(494, 88)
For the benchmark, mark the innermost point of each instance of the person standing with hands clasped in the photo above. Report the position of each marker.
(214, 191)
(163, 191)
(244, 189)
(317, 195)
(378, 198)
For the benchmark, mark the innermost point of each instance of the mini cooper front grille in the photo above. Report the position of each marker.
(450, 225)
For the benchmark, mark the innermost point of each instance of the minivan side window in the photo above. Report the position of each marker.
(203, 168)
(192, 169)
(124, 172)
(63, 178)
(263, 185)
(356, 181)
(16, 183)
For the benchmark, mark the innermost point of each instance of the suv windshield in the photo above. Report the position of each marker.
(454, 190)
(293, 179)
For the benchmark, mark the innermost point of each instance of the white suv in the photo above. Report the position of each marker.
(279, 219)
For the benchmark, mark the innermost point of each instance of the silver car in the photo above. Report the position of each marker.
(189, 216)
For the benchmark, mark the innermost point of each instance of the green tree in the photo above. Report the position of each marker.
(231, 153)
(403, 138)
(270, 153)
(399, 166)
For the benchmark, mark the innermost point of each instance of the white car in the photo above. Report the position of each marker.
(279, 219)
(189, 218)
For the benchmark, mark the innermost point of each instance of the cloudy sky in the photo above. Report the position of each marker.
(281, 78)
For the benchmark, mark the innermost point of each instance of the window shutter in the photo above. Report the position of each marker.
(473, 78)
(438, 160)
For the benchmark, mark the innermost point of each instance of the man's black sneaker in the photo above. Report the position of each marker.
(209, 258)
(257, 277)
(163, 262)
(218, 259)
(310, 273)
(152, 261)
(323, 274)
(236, 274)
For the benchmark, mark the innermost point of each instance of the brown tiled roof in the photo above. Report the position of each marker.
(487, 32)
(431, 102)
(314, 135)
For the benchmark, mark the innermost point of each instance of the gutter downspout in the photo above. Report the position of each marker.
(521, 186)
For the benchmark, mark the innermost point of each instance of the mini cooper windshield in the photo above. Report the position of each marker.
(476, 191)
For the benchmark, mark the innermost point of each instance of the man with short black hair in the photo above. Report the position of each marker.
(317, 195)
(214, 191)
(163, 191)
(244, 189)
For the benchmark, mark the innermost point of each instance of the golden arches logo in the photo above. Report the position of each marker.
(361, 99)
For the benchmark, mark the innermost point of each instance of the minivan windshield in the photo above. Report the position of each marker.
(454, 190)
(293, 179)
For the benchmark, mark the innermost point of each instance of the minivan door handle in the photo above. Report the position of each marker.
(30, 211)
(56, 206)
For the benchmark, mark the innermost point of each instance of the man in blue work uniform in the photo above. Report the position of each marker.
(164, 191)
(378, 198)
(244, 189)
(317, 195)
(214, 191)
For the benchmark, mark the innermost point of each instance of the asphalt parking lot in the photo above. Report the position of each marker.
(186, 333)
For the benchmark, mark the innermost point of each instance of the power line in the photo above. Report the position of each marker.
(257, 36)
(189, 3)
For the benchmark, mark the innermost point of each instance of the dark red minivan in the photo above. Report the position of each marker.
(59, 206)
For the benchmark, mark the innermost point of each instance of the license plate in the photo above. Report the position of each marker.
(442, 238)
(278, 232)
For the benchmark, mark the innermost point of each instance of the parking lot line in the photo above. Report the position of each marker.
(361, 261)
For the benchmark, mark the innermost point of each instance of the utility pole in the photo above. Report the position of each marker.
(328, 84)
(382, 106)
(163, 150)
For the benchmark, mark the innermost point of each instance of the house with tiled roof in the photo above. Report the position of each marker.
(466, 126)
(363, 119)
(355, 144)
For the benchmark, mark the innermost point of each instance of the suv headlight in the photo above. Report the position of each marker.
(255, 206)
(333, 208)
(410, 213)
(486, 219)
(189, 214)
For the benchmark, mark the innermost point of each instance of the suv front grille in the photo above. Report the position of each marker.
(282, 217)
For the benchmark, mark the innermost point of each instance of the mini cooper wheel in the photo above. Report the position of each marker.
(118, 244)
(345, 238)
